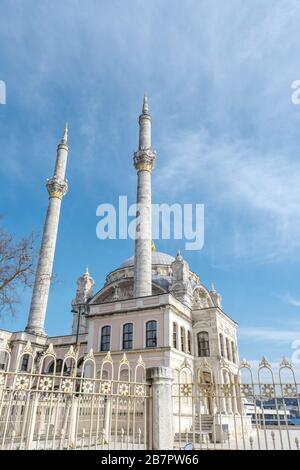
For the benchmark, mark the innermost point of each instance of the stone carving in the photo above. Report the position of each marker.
(216, 297)
(201, 298)
(181, 286)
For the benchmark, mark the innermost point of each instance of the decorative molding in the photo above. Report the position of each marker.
(144, 160)
(56, 187)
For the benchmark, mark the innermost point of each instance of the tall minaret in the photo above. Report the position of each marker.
(144, 160)
(57, 187)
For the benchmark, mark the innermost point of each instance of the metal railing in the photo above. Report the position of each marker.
(75, 408)
(245, 410)
(71, 404)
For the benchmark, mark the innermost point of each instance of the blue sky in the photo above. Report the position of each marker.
(219, 77)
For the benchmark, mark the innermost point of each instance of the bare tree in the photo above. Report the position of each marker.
(17, 259)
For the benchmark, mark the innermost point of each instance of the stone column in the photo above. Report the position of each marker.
(32, 420)
(57, 188)
(144, 162)
(73, 409)
(107, 419)
(161, 426)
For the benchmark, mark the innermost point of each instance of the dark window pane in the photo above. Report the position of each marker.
(128, 336)
(25, 361)
(175, 335)
(105, 338)
(151, 334)
(203, 344)
(228, 350)
(222, 345)
(182, 339)
(189, 342)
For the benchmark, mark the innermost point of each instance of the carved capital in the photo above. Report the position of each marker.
(144, 160)
(57, 187)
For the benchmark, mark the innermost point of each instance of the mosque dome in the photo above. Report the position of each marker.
(161, 270)
(161, 274)
(158, 258)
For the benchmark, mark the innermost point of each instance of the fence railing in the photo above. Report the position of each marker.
(50, 403)
(246, 410)
(75, 407)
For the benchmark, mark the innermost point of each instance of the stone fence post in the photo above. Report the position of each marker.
(160, 421)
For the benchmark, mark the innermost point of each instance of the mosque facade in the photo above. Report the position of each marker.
(152, 305)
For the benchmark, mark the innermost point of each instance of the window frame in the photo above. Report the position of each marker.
(175, 335)
(203, 344)
(147, 331)
(129, 339)
(233, 352)
(228, 351)
(221, 345)
(25, 359)
(102, 349)
(182, 339)
(188, 342)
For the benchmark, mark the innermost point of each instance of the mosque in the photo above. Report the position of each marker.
(151, 305)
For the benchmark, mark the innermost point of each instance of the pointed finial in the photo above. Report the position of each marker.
(64, 139)
(213, 289)
(178, 256)
(145, 104)
(87, 271)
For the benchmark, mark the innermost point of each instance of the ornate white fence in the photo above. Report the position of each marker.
(243, 411)
(74, 408)
(71, 404)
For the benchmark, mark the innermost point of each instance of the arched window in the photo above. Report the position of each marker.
(203, 344)
(127, 342)
(221, 345)
(105, 338)
(151, 334)
(233, 355)
(175, 335)
(182, 339)
(59, 363)
(3, 360)
(228, 352)
(189, 342)
(25, 363)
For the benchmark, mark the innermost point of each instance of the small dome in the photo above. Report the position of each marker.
(157, 258)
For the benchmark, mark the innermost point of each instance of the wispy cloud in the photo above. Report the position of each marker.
(265, 334)
(236, 178)
(291, 300)
(223, 124)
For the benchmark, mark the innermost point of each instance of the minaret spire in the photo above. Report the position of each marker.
(144, 160)
(145, 126)
(64, 139)
(57, 187)
(145, 104)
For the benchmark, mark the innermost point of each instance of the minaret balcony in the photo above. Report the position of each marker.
(144, 159)
(57, 187)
